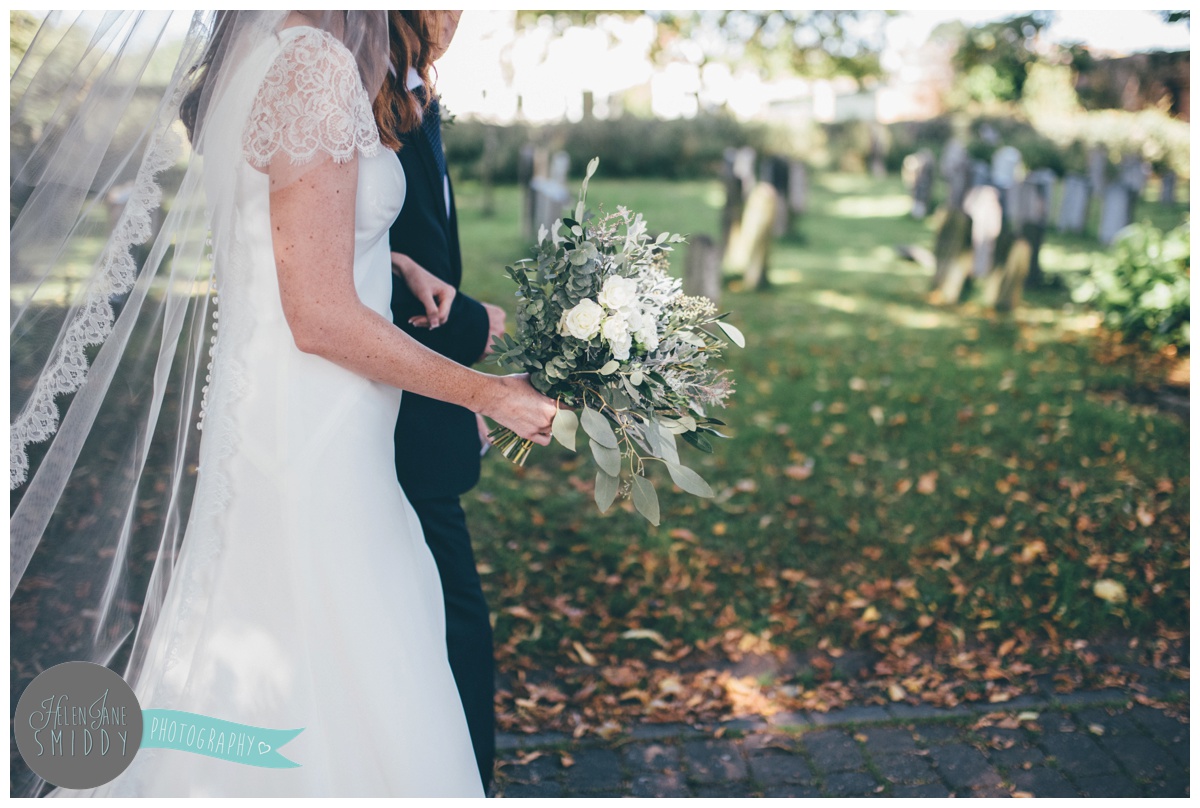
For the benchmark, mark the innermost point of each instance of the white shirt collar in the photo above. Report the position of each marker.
(414, 78)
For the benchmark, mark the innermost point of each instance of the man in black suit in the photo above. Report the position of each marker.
(438, 445)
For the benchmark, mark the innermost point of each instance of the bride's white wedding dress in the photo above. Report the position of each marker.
(304, 594)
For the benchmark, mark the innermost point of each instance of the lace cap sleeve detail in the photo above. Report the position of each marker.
(312, 100)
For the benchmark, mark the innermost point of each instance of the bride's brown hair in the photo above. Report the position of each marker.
(411, 38)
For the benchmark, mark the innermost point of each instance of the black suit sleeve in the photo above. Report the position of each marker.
(464, 335)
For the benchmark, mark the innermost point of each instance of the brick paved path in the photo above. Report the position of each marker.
(1095, 746)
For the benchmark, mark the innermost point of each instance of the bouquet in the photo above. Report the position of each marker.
(606, 331)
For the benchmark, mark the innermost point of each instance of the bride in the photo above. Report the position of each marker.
(303, 594)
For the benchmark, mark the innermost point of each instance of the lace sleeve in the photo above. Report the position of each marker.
(311, 101)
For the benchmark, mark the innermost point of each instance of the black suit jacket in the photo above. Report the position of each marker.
(437, 444)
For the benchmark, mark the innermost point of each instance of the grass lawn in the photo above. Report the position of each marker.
(901, 475)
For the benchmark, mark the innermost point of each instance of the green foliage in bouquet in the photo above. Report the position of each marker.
(1144, 287)
(607, 332)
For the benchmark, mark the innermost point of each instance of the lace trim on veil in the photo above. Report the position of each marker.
(67, 370)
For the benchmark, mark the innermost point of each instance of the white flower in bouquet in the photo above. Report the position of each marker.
(616, 333)
(648, 378)
(618, 293)
(583, 321)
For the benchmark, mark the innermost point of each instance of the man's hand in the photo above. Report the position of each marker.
(434, 293)
(496, 319)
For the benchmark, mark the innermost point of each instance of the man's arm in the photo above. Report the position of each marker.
(463, 336)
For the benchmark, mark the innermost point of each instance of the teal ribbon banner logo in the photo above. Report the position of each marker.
(215, 737)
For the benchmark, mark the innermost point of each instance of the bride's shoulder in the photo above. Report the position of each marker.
(299, 45)
(311, 100)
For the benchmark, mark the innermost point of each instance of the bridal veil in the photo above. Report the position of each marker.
(112, 317)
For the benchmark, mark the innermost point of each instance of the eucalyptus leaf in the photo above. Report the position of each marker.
(606, 490)
(598, 428)
(698, 440)
(645, 499)
(564, 427)
(610, 367)
(606, 458)
(689, 480)
(733, 332)
(666, 444)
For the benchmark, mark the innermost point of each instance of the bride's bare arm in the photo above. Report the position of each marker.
(312, 223)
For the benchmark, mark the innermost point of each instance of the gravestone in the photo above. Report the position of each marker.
(1097, 171)
(1166, 194)
(777, 171)
(525, 166)
(550, 193)
(1029, 220)
(798, 187)
(1047, 182)
(878, 169)
(735, 199)
(487, 165)
(952, 256)
(1007, 167)
(1073, 211)
(1133, 173)
(981, 173)
(982, 204)
(917, 172)
(749, 251)
(1115, 213)
(1002, 289)
(702, 268)
(955, 168)
(743, 168)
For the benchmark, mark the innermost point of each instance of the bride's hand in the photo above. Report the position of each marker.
(434, 293)
(522, 409)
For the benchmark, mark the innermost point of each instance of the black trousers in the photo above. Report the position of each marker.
(468, 629)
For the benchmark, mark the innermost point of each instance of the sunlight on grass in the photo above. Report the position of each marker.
(836, 300)
(868, 207)
(921, 319)
(1056, 258)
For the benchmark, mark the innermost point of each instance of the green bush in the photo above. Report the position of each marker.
(683, 149)
(1144, 287)
(627, 146)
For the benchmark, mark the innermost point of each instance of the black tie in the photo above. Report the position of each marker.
(431, 124)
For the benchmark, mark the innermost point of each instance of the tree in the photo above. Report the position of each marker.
(994, 59)
(809, 43)
(22, 25)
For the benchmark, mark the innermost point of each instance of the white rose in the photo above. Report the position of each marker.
(621, 349)
(618, 293)
(583, 321)
(634, 317)
(648, 336)
(615, 329)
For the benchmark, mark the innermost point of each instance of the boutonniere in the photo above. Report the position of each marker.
(448, 117)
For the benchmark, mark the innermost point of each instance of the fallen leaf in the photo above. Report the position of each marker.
(1109, 590)
(584, 654)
